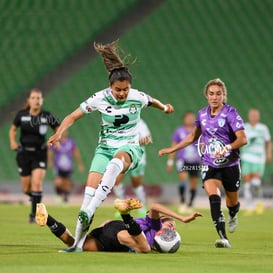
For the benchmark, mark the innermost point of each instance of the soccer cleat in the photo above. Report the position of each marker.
(85, 219)
(126, 205)
(71, 249)
(222, 243)
(232, 223)
(41, 214)
(259, 209)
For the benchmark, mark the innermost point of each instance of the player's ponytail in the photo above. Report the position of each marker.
(114, 64)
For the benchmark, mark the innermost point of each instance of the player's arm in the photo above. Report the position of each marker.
(66, 123)
(12, 138)
(167, 108)
(50, 155)
(158, 209)
(268, 148)
(241, 140)
(138, 242)
(189, 139)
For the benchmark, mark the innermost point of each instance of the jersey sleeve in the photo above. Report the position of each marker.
(90, 105)
(145, 99)
(175, 136)
(235, 120)
(267, 135)
(147, 223)
(17, 120)
(198, 121)
(149, 227)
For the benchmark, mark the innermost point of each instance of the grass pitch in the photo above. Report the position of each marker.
(32, 249)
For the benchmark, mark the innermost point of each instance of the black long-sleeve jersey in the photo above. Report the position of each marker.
(34, 128)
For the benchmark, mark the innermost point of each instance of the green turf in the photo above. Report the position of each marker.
(30, 248)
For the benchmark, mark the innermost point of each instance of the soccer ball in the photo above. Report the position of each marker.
(167, 241)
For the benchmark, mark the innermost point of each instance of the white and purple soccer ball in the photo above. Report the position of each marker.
(167, 241)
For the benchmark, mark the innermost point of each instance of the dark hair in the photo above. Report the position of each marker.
(114, 64)
(120, 74)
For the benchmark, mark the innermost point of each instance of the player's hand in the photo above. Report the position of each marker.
(223, 152)
(14, 146)
(145, 140)
(169, 108)
(192, 217)
(54, 141)
(164, 151)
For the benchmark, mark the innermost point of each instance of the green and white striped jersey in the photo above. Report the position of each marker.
(118, 119)
(255, 151)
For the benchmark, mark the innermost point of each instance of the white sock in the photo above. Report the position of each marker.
(257, 188)
(119, 191)
(141, 196)
(88, 195)
(79, 234)
(256, 182)
(114, 168)
(248, 196)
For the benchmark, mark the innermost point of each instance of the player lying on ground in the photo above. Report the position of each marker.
(135, 235)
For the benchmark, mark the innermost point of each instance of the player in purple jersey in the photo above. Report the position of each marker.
(220, 131)
(62, 161)
(128, 235)
(187, 162)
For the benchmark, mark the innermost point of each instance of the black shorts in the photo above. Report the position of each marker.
(230, 176)
(107, 236)
(193, 169)
(63, 174)
(27, 161)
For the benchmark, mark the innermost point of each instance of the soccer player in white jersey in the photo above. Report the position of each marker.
(137, 174)
(118, 150)
(254, 156)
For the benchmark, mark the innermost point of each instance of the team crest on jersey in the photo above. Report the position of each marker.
(132, 109)
(221, 122)
(42, 129)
